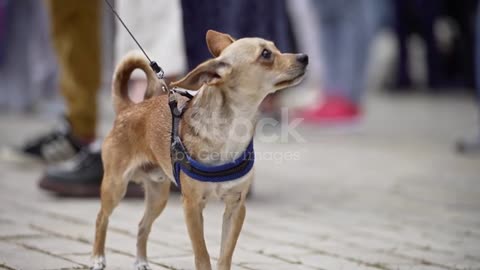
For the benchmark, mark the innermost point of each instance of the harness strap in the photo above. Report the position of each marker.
(174, 138)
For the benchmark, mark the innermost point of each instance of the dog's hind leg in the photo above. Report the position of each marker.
(156, 197)
(113, 190)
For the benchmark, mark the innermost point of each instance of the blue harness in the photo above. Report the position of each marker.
(182, 161)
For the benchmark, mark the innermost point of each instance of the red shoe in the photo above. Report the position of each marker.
(335, 109)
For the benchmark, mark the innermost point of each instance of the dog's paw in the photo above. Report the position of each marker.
(99, 263)
(142, 265)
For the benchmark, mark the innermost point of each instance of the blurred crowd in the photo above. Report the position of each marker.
(68, 48)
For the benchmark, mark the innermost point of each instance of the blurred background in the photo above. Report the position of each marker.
(53, 63)
(387, 120)
(57, 59)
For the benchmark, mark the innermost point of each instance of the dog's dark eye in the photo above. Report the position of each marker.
(266, 54)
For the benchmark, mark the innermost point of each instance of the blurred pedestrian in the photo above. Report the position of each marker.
(474, 145)
(157, 24)
(4, 7)
(75, 36)
(457, 65)
(27, 65)
(417, 16)
(75, 33)
(267, 19)
(347, 28)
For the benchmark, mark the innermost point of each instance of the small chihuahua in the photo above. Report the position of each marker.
(217, 126)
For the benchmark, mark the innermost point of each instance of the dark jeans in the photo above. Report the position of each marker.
(347, 28)
(459, 63)
(477, 53)
(417, 16)
(245, 18)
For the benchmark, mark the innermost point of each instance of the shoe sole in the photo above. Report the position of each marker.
(85, 191)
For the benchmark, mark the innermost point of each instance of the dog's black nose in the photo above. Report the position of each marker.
(302, 58)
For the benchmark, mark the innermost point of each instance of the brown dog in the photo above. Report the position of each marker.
(216, 127)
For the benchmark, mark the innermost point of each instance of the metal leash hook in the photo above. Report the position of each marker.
(158, 70)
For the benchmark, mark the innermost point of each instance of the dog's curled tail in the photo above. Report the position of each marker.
(121, 76)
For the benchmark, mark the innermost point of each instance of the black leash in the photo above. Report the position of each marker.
(156, 68)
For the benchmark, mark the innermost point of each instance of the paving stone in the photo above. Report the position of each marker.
(177, 263)
(277, 266)
(332, 263)
(10, 229)
(56, 245)
(18, 257)
(115, 261)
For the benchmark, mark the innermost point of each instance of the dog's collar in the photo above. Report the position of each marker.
(182, 161)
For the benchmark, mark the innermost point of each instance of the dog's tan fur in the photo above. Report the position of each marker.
(216, 128)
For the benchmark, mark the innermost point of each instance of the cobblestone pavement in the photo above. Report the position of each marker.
(386, 194)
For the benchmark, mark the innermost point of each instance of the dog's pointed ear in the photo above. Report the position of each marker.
(211, 72)
(217, 42)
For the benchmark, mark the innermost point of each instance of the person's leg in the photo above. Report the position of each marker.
(4, 10)
(198, 17)
(336, 32)
(473, 146)
(402, 30)
(167, 47)
(76, 34)
(430, 12)
(463, 13)
(477, 52)
(76, 37)
(328, 34)
(477, 70)
(365, 22)
(351, 44)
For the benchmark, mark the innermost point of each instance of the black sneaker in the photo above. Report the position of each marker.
(80, 176)
(56, 146)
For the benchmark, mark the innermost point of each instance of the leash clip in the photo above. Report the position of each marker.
(157, 69)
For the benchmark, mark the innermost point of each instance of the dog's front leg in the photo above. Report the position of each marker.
(232, 225)
(193, 208)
